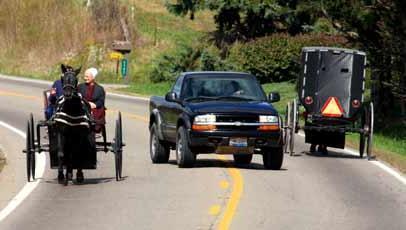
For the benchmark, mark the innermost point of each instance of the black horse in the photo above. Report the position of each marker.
(73, 127)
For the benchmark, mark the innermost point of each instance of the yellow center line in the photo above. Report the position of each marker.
(215, 210)
(235, 174)
(232, 204)
(224, 184)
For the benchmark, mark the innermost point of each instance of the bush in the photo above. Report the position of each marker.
(276, 58)
(168, 66)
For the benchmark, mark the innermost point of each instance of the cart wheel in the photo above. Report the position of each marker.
(33, 147)
(293, 118)
(286, 129)
(296, 116)
(362, 134)
(118, 148)
(361, 145)
(29, 150)
(370, 122)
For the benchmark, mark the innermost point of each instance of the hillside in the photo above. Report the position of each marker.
(37, 35)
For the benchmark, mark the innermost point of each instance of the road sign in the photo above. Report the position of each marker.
(124, 67)
(116, 56)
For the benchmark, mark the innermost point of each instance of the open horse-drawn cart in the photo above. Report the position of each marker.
(331, 89)
(86, 159)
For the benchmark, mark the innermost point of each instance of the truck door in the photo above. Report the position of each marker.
(171, 112)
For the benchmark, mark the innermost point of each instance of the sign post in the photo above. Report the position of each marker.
(124, 67)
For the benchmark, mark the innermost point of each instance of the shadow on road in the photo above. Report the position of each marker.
(87, 181)
(331, 154)
(214, 163)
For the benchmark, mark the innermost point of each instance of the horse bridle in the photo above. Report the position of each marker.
(73, 84)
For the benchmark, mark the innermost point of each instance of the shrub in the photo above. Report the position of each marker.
(276, 58)
(168, 66)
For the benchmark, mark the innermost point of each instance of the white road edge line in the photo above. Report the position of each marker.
(28, 187)
(379, 164)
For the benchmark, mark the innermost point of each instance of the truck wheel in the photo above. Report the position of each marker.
(273, 158)
(159, 152)
(242, 159)
(184, 156)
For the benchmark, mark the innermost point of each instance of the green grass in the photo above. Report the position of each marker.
(147, 89)
(286, 91)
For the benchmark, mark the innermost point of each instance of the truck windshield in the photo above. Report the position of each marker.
(222, 88)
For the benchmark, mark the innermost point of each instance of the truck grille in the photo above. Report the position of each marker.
(233, 118)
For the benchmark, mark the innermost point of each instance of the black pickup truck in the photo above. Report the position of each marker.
(216, 112)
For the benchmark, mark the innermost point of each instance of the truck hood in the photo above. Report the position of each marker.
(225, 107)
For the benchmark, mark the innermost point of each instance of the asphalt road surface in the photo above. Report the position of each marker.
(340, 191)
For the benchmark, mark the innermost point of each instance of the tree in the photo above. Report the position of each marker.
(248, 19)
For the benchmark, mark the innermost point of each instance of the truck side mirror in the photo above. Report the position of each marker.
(274, 97)
(171, 97)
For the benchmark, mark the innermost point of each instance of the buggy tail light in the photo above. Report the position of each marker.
(356, 103)
(308, 100)
(332, 108)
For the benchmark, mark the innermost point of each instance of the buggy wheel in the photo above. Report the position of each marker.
(293, 112)
(361, 145)
(33, 147)
(295, 116)
(118, 148)
(286, 132)
(370, 122)
(363, 135)
(29, 150)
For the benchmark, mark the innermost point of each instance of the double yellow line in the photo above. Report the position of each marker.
(235, 174)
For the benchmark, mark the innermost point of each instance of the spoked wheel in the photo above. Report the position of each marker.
(370, 122)
(286, 131)
(293, 127)
(363, 134)
(30, 152)
(366, 136)
(118, 147)
(33, 147)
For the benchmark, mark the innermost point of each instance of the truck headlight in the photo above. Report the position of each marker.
(204, 122)
(268, 119)
(270, 123)
(205, 119)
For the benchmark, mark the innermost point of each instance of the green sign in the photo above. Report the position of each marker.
(124, 67)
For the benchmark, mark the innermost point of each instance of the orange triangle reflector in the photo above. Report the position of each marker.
(332, 108)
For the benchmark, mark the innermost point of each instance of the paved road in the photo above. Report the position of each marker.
(311, 192)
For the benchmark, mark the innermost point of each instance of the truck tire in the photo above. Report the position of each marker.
(273, 158)
(158, 151)
(184, 155)
(242, 159)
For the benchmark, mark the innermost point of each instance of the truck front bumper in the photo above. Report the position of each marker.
(219, 141)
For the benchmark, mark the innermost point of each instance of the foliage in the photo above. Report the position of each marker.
(244, 20)
(276, 58)
(168, 66)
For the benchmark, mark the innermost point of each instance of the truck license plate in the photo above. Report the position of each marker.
(238, 142)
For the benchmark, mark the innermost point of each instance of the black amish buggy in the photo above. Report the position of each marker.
(331, 89)
(62, 128)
